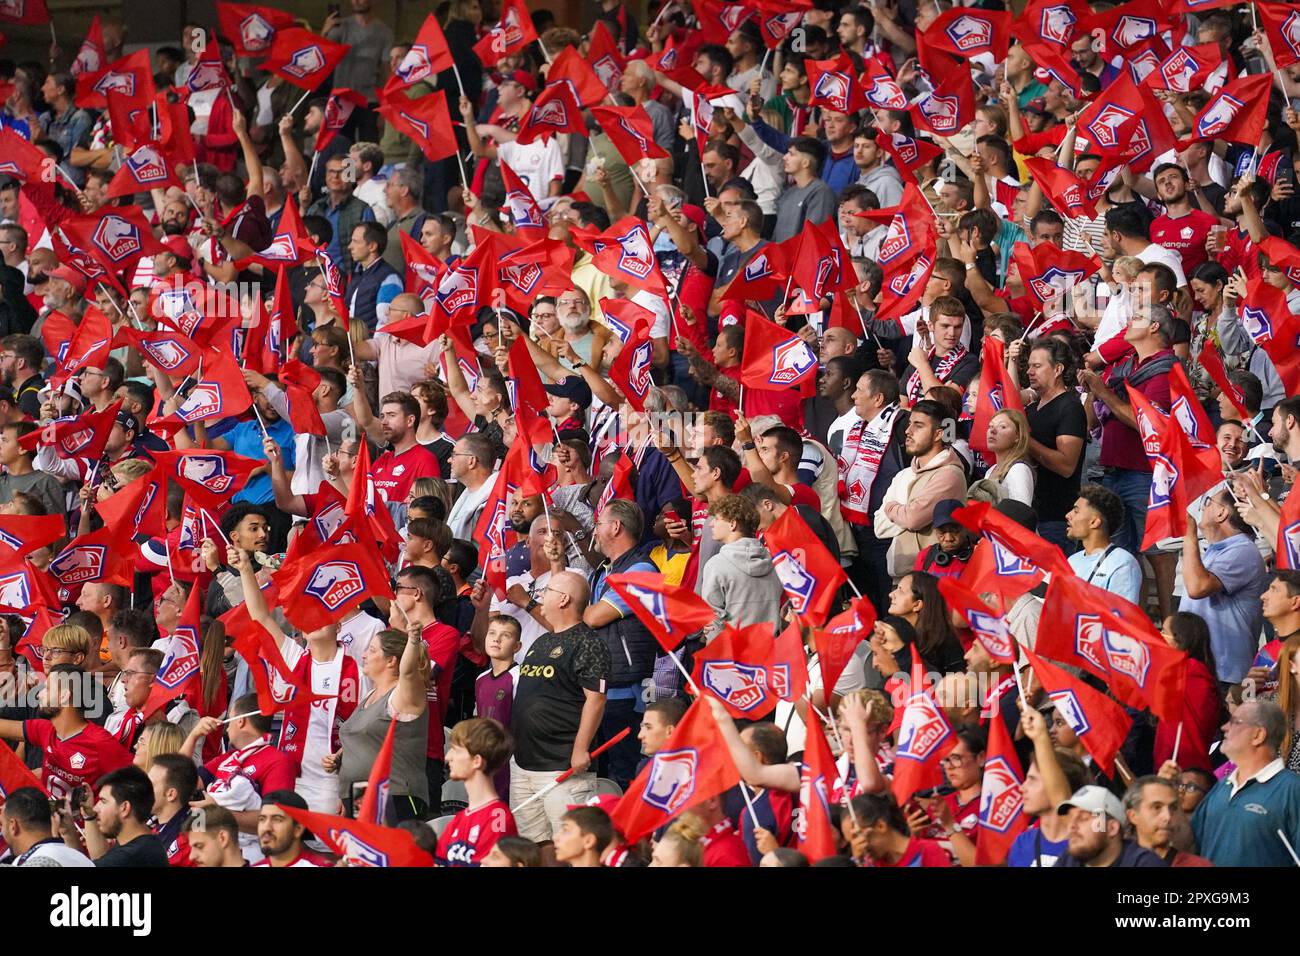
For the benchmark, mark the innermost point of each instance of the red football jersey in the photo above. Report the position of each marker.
(724, 847)
(394, 474)
(472, 834)
(443, 642)
(80, 759)
(268, 768)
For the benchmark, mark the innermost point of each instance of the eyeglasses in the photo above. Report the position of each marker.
(408, 587)
(128, 674)
(953, 760)
(1190, 788)
(46, 653)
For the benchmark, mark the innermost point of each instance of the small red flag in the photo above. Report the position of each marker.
(836, 642)
(570, 69)
(1099, 722)
(1237, 113)
(809, 573)
(555, 111)
(89, 347)
(1002, 803)
(145, 168)
(429, 55)
(302, 58)
(1288, 532)
(525, 213)
(631, 131)
(116, 236)
(1212, 362)
(630, 371)
(90, 58)
(362, 843)
(832, 84)
(1049, 272)
(168, 350)
(27, 533)
(180, 666)
(338, 110)
(968, 32)
(91, 558)
(604, 55)
(321, 587)
(211, 477)
(129, 78)
(513, 32)
(996, 392)
(990, 629)
(219, 393)
(425, 120)
(749, 671)
(277, 687)
(251, 29)
(774, 359)
(1064, 190)
(139, 507)
(671, 612)
(300, 383)
(924, 738)
(288, 243)
(81, 437)
(819, 778)
(908, 153)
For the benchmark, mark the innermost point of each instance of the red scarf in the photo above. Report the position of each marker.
(293, 732)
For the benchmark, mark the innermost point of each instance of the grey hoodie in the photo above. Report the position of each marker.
(740, 583)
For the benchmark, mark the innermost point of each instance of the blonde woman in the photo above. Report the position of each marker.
(157, 739)
(1008, 441)
(681, 845)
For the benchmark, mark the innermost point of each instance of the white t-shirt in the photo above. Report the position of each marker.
(1166, 257)
(538, 164)
(55, 854)
(841, 427)
(319, 788)
(371, 192)
(1119, 308)
(1018, 485)
(529, 629)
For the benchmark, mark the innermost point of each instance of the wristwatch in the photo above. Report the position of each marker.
(532, 603)
(748, 446)
(970, 266)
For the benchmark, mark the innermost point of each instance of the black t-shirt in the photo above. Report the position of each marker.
(442, 449)
(146, 850)
(1054, 496)
(549, 695)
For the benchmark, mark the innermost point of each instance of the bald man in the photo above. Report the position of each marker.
(401, 363)
(837, 341)
(559, 702)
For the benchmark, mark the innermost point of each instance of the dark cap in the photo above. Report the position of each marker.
(943, 511)
(574, 389)
(1037, 105)
(128, 420)
(1019, 512)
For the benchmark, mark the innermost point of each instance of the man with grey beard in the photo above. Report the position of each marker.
(584, 337)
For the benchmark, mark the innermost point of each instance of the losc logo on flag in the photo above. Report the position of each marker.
(523, 210)
(897, 240)
(117, 238)
(1219, 116)
(1143, 65)
(653, 602)
(1056, 24)
(834, 88)
(1258, 325)
(996, 397)
(1067, 705)
(607, 70)
(1164, 474)
(732, 16)
(1008, 564)
(208, 471)
(524, 276)
(182, 658)
(1291, 32)
(356, 850)
(334, 583)
(828, 269)
(329, 518)
(1000, 797)
(1179, 69)
(113, 83)
(146, 501)
(886, 94)
(282, 248)
(458, 290)
(147, 165)
(993, 634)
(791, 361)
(743, 686)
(906, 148)
(79, 563)
(636, 256)
(203, 400)
(168, 355)
(923, 729)
(1291, 537)
(638, 372)
(969, 33)
(305, 62)
(940, 112)
(810, 789)
(551, 113)
(420, 127)
(256, 33)
(1104, 130)
(758, 267)
(1182, 410)
(10, 540)
(1089, 633)
(14, 590)
(798, 583)
(642, 143)
(1127, 655)
(73, 443)
(1055, 281)
(1131, 30)
(672, 779)
(415, 66)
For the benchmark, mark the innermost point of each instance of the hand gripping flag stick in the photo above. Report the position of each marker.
(251, 713)
(571, 771)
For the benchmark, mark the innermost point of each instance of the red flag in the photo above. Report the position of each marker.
(924, 738)
(776, 360)
(1281, 23)
(362, 843)
(1064, 190)
(624, 251)
(302, 58)
(620, 483)
(425, 120)
(833, 85)
(146, 168)
(951, 105)
(881, 89)
(1099, 723)
(338, 110)
(1049, 25)
(630, 371)
(1267, 319)
(513, 32)
(14, 774)
(32, 12)
(819, 262)
(1190, 413)
(170, 351)
(1212, 362)
(81, 436)
(622, 315)
(1114, 125)
(180, 667)
(531, 269)
(1178, 475)
(1049, 272)
(23, 586)
(494, 531)
(375, 799)
(89, 347)
(836, 642)
(117, 236)
(129, 78)
(556, 110)
(990, 629)
(300, 383)
(819, 778)
(276, 685)
(140, 506)
(27, 533)
(23, 161)
(207, 73)
(90, 58)
(912, 230)
(571, 70)
(219, 393)
(1187, 68)
(1014, 544)
(631, 131)
(423, 270)
(251, 29)
(288, 243)
(604, 55)
(762, 276)
(693, 765)
(749, 671)
(1124, 27)
(1237, 113)
(902, 291)
(367, 511)
(1002, 804)
(809, 573)
(322, 587)
(996, 392)
(993, 570)
(908, 153)
(429, 55)
(90, 558)
(777, 20)
(967, 32)
(1288, 532)
(671, 612)
(1281, 254)
(209, 476)
(525, 213)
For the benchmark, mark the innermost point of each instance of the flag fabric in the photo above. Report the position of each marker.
(288, 243)
(23, 161)
(833, 85)
(996, 392)
(303, 58)
(525, 214)
(1288, 533)
(625, 252)
(181, 655)
(1281, 24)
(375, 800)
(321, 587)
(1016, 543)
(1126, 125)
(810, 575)
(622, 315)
(671, 612)
(526, 270)
(209, 476)
(693, 765)
(140, 506)
(89, 347)
(1188, 68)
(570, 69)
(951, 104)
(556, 110)
(27, 533)
(924, 738)
(880, 89)
(90, 58)
(495, 535)
(967, 32)
(993, 570)
(1281, 254)
(761, 277)
(1002, 803)
(1187, 409)
(1179, 473)
(908, 153)
(277, 687)
(1064, 190)
(912, 230)
(1268, 320)
(426, 121)
(128, 78)
(220, 392)
(116, 236)
(367, 511)
(14, 774)
(207, 73)
(80, 436)
(1049, 272)
(1099, 723)
(630, 371)
(819, 778)
(23, 586)
(819, 263)
(166, 349)
(146, 167)
(777, 20)
(513, 32)
(902, 291)
(631, 131)
(1237, 113)
(338, 110)
(836, 642)
(776, 360)
(1212, 361)
(251, 29)
(989, 628)
(362, 843)
(95, 557)
(30, 12)
(604, 55)
(1048, 26)
(300, 383)
(749, 671)
(428, 56)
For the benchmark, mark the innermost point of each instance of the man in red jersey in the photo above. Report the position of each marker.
(399, 467)
(478, 748)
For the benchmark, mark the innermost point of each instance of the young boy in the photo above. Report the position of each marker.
(478, 748)
(494, 690)
(583, 835)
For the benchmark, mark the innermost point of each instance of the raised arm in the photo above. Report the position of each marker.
(784, 776)
(254, 599)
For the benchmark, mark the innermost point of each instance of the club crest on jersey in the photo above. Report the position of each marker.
(636, 257)
(968, 33)
(117, 238)
(1131, 30)
(524, 210)
(897, 241)
(416, 65)
(208, 471)
(1000, 797)
(114, 83)
(306, 61)
(791, 360)
(1089, 633)
(993, 634)
(203, 400)
(168, 354)
(671, 782)
(834, 88)
(923, 730)
(885, 93)
(1056, 24)
(458, 290)
(1164, 475)
(638, 371)
(14, 590)
(79, 563)
(1219, 116)
(799, 584)
(334, 583)
(743, 686)
(940, 112)
(1104, 130)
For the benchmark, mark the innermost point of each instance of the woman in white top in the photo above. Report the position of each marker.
(1008, 441)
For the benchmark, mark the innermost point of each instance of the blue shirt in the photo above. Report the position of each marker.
(1234, 614)
(1031, 848)
(1113, 569)
(246, 439)
(1240, 829)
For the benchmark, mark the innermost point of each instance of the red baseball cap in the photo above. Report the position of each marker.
(179, 246)
(72, 276)
(602, 801)
(696, 215)
(523, 78)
